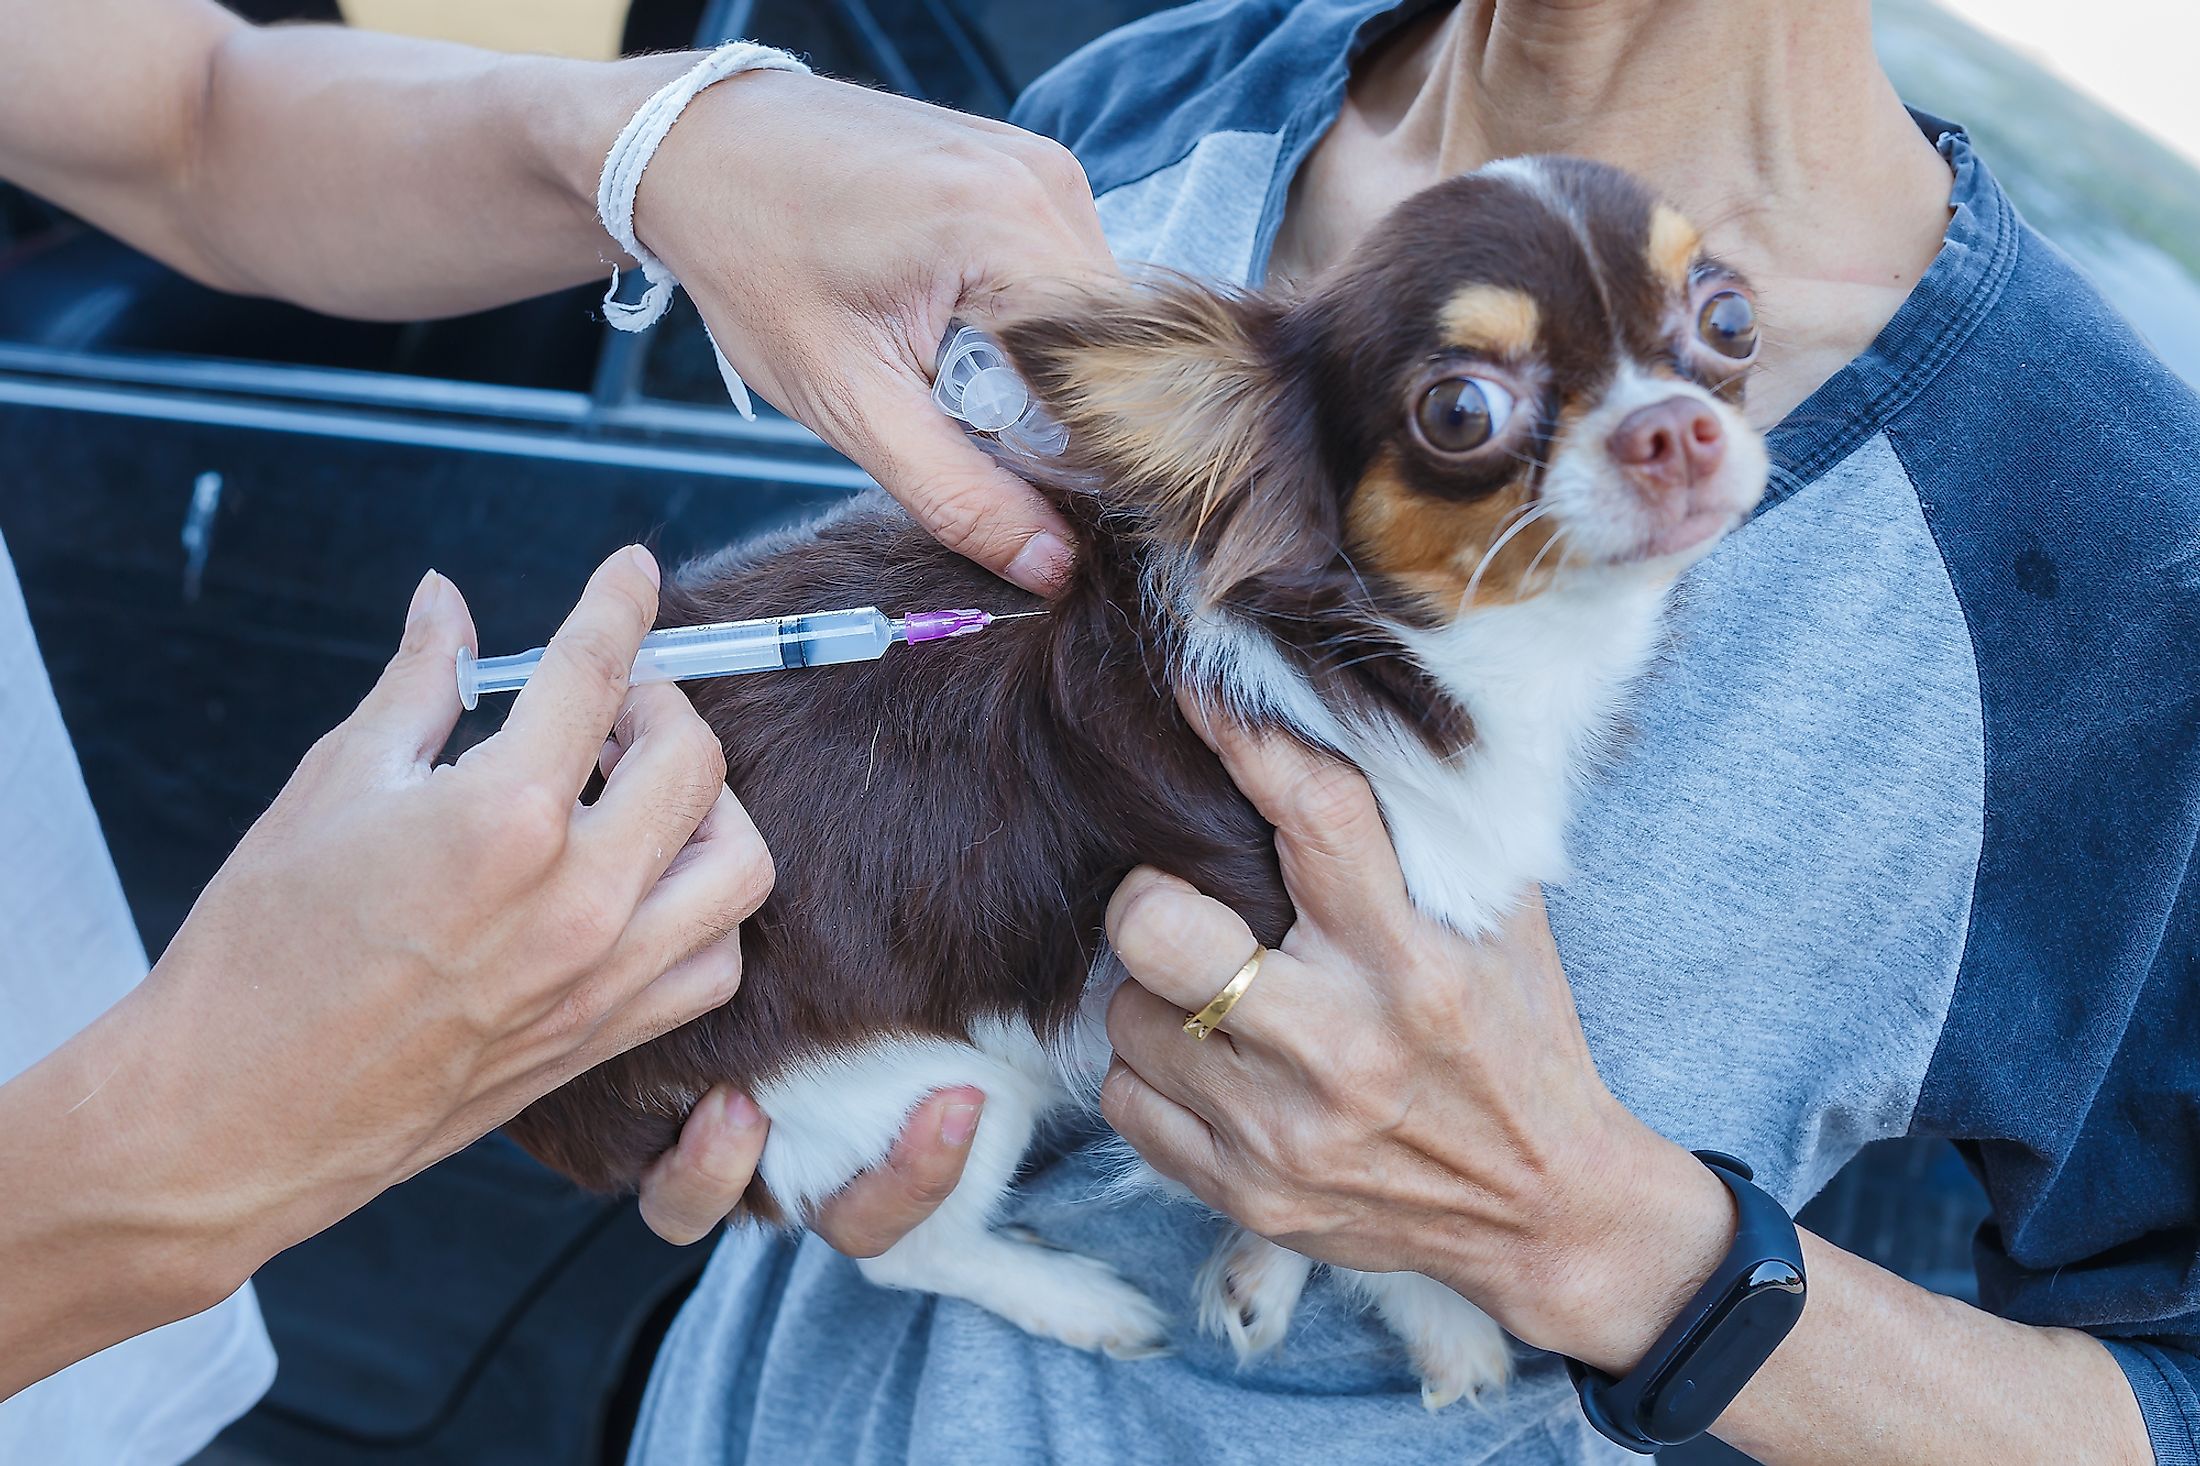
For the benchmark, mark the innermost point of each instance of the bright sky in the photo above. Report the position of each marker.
(2136, 56)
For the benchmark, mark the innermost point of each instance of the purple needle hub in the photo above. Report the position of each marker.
(934, 625)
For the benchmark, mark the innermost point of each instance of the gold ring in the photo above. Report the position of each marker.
(1209, 1018)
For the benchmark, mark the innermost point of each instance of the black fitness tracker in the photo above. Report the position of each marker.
(1721, 1339)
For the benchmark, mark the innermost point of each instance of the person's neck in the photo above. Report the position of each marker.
(1768, 122)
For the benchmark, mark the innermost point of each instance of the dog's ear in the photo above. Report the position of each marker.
(1181, 410)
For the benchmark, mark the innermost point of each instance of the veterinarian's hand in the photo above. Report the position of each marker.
(400, 956)
(829, 233)
(1391, 1096)
(693, 1186)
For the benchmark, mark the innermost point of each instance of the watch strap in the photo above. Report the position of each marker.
(1718, 1342)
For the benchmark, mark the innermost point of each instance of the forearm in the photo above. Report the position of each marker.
(105, 1231)
(372, 175)
(1360, 1115)
(358, 173)
(1878, 1370)
(827, 233)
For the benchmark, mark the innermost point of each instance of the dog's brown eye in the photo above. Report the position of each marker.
(1460, 414)
(1728, 324)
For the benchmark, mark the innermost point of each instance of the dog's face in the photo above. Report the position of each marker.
(1536, 371)
(1524, 378)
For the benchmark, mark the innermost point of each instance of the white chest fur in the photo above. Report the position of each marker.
(1543, 681)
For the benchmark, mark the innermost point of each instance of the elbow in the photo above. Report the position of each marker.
(204, 222)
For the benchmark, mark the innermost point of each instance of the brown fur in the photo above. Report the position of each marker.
(949, 822)
(1434, 550)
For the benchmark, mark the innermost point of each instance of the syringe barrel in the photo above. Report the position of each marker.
(726, 649)
(767, 645)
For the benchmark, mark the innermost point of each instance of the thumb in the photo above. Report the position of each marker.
(968, 502)
(414, 705)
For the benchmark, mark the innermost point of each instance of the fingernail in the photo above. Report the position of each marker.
(1042, 564)
(742, 1113)
(425, 595)
(646, 563)
(959, 1124)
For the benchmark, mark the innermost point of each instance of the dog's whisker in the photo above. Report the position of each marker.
(1474, 582)
(1557, 535)
(1525, 506)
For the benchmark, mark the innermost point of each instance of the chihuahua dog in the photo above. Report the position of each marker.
(1422, 514)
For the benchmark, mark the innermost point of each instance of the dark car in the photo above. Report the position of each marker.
(218, 508)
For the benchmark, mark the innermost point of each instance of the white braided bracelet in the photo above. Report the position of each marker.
(622, 175)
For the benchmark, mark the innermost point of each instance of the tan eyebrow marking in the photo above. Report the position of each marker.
(1495, 320)
(1673, 245)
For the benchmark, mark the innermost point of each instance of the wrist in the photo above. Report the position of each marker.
(1632, 1253)
(572, 117)
(575, 118)
(744, 134)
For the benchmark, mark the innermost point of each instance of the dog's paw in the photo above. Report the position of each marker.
(1463, 1357)
(1085, 1304)
(1247, 1291)
(1456, 1349)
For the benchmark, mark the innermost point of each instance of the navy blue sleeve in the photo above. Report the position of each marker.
(2164, 1379)
(1151, 65)
(2058, 463)
(1141, 98)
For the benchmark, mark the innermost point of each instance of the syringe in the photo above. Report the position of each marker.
(681, 653)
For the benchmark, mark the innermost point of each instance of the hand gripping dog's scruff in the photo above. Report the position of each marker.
(1423, 514)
